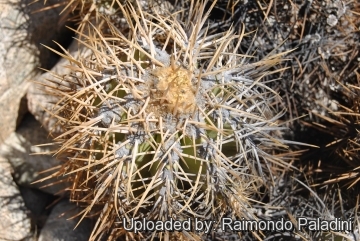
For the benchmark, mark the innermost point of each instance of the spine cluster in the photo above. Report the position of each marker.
(163, 120)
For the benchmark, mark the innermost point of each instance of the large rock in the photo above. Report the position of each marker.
(22, 31)
(15, 223)
(38, 204)
(20, 150)
(40, 101)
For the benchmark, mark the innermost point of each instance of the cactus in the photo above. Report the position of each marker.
(162, 119)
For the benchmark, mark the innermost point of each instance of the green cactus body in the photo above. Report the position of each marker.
(165, 135)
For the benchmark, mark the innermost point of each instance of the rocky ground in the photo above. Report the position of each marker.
(29, 211)
(41, 211)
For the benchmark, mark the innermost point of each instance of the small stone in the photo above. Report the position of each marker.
(19, 149)
(39, 100)
(36, 201)
(60, 226)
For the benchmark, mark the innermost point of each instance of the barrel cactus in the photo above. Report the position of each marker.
(162, 119)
